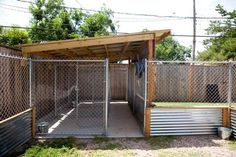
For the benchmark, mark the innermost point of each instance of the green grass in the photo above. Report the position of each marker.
(99, 139)
(167, 153)
(186, 104)
(55, 148)
(232, 144)
(160, 142)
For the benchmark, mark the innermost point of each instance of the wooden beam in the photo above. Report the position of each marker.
(107, 52)
(44, 55)
(151, 78)
(226, 117)
(125, 47)
(68, 54)
(147, 129)
(84, 43)
(33, 121)
(161, 36)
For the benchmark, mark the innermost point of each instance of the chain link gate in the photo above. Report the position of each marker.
(71, 96)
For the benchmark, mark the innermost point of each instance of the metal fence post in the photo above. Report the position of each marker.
(55, 89)
(230, 85)
(77, 89)
(30, 82)
(145, 94)
(106, 104)
(68, 87)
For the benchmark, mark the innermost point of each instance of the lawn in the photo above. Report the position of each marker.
(192, 146)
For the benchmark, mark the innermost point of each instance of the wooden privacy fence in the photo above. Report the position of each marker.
(202, 82)
(14, 85)
(119, 81)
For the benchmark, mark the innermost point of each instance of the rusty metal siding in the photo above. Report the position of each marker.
(185, 121)
(15, 132)
(233, 122)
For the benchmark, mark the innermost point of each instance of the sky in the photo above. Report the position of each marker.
(18, 16)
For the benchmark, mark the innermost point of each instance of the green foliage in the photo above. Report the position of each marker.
(13, 36)
(98, 24)
(55, 148)
(99, 139)
(160, 142)
(222, 47)
(170, 49)
(52, 21)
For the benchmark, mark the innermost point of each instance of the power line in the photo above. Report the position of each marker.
(142, 14)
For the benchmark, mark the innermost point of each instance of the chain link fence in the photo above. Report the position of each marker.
(70, 96)
(233, 104)
(197, 82)
(136, 90)
(14, 85)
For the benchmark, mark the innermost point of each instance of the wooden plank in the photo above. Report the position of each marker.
(42, 54)
(147, 122)
(68, 54)
(226, 117)
(118, 81)
(107, 52)
(33, 121)
(125, 47)
(151, 77)
(84, 43)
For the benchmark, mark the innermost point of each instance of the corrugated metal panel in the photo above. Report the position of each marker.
(15, 132)
(233, 122)
(185, 121)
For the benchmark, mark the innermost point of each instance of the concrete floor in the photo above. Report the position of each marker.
(121, 122)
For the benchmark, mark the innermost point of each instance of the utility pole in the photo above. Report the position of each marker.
(194, 30)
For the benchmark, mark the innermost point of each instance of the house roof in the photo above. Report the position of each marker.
(115, 47)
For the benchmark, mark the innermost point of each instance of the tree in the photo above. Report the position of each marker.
(170, 49)
(13, 36)
(222, 47)
(52, 21)
(98, 24)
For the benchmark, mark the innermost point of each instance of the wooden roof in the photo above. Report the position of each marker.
(115, 47)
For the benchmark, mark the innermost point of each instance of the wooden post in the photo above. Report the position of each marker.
(147, 122)
(226, 117)
(151, 78)
(33, 121)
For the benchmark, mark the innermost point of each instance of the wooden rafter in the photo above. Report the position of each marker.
(106, 49)
(44, 54)
(125, 47)
(68, 54)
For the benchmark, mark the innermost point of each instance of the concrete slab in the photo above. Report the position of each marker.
(121, 122)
